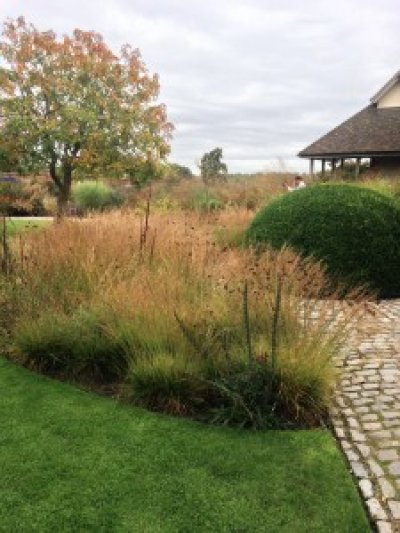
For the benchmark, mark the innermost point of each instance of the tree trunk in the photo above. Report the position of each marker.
(63, 183)
(62, 201)
(64, 192)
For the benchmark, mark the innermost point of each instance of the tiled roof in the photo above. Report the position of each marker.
(372, 131)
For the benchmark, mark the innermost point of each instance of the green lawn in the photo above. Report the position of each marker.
(71, 461)
(18, 226)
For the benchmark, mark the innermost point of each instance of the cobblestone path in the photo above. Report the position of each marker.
(366, 415)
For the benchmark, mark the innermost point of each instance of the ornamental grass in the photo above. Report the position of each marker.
(168, 314)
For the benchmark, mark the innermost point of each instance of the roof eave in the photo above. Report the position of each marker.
(348, 154)
(388, 85)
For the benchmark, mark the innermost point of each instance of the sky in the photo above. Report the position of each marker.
(261, 79)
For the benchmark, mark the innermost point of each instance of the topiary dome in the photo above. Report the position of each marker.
(355, 231)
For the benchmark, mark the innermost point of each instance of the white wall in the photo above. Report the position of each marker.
(391, 98)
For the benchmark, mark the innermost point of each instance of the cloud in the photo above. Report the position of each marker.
(259, 78)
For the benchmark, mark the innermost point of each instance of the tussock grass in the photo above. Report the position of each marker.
(388, 186)
(247, 192)
(184, 322)
(95, 195)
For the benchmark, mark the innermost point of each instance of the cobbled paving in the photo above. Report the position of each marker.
(366, 412)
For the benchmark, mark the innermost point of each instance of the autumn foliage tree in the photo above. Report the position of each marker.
(73, 106)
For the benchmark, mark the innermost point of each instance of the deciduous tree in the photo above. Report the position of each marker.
(211, 166)
(72, 105)
(178, 172)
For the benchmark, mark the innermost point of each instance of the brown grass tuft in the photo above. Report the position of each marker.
(173, 304)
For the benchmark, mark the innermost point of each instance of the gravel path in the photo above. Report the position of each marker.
(366, 415)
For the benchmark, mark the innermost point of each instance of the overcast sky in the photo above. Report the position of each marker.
(261, 79)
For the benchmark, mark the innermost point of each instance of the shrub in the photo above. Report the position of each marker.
(174, 173)
(95, 195)
(23, 197)
(355, 231)
(202, 200)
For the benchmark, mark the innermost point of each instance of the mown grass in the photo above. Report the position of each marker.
(15, 227)
(71, 461)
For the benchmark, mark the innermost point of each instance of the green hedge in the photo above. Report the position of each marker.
(355, 231)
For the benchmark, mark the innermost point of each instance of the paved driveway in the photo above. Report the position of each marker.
(366, 415)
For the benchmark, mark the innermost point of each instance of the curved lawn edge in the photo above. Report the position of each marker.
(73, 461)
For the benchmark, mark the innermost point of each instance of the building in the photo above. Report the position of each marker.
(372, 133)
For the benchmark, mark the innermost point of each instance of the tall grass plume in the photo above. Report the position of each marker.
(167, 318)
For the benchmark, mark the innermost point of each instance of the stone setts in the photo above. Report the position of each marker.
(366, 412)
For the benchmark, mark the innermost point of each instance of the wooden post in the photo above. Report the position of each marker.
(323, 167)
(341, 163)
(311, 167)
(357, 170)
(333, 170)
